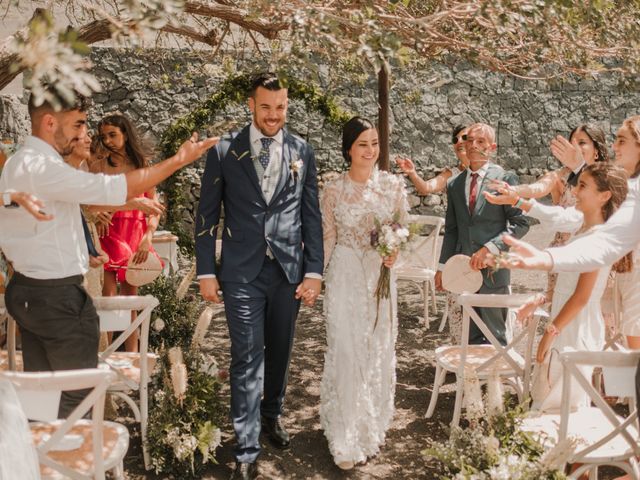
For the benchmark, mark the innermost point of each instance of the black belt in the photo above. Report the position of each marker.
(20, 279)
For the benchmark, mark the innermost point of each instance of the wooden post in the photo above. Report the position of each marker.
(383, 115)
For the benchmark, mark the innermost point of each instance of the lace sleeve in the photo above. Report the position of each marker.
(328, 198)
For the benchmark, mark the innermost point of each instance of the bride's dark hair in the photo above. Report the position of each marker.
(611, 178)
(350, 133)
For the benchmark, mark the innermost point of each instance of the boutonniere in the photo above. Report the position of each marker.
(295, 167)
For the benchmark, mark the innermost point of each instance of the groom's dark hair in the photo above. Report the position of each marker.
(268, 80)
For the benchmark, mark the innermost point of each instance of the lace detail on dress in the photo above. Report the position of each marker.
(350, 208)
(358, 382)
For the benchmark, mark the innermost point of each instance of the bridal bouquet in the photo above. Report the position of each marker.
(388, 238)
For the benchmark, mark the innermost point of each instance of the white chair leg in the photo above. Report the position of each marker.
(434, 306)
(425, 291)
(437, 383)
(118, 471)
(445, 316)
(457, 408)
(144, 413)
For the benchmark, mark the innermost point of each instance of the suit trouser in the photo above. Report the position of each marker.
(494, 318)
(59, 326)
(261, 318)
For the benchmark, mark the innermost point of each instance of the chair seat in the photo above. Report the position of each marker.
(588, 424)
(115, 445)
(4, 361)
(128, 365)
(416, 274)
(449, 357)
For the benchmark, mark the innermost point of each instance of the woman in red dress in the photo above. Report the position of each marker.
(124, 234)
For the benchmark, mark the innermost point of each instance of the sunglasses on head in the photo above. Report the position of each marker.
(457, 139)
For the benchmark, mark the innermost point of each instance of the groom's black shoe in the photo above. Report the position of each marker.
(245, 471)
(278, 436)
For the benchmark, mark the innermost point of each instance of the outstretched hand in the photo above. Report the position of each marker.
(406, 165)
(522, 255)
(31, 204)
(567, 153)
(507, 193)
(192, 149)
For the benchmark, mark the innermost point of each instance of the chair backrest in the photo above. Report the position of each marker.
(507, 353)
(115, 315)
(619, 368)
(422, 251)
(32, 387)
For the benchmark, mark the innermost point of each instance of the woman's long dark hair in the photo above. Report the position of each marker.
(598, 137)
(137, 151)
(350, 133)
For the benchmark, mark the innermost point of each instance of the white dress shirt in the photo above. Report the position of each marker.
(271, 174)
(56, 248)
(611, 241)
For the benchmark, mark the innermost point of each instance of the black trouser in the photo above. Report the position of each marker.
(59, 326)
(494, 318)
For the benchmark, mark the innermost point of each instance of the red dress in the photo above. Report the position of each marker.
(122, 240)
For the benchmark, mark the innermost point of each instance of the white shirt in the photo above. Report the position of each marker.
(271, 174)
(610, 242)
(56, 248)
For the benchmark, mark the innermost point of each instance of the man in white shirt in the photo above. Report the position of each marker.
(57, 318)
(474, 227)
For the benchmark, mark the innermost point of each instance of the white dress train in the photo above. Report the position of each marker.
(358, 382)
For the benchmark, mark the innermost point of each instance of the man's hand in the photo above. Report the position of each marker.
(525, 256)
(309, 290)
(567, 153)
(209, 288)
(31, 204)
(438, 281)
(192, 149)
(479, 259)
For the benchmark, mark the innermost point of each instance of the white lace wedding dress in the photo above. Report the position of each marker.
(585, 332)
(358, 382)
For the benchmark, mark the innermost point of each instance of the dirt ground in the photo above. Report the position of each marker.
(309, 457)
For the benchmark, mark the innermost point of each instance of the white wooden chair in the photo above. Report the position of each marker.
(604, 437)
(73, 448)
(133, 369)
(419, 262)
(504, 360)
(9, 359)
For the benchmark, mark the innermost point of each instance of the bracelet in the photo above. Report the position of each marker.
(518, 203)
(552, 330)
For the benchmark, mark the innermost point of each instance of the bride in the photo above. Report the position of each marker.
(358, 382)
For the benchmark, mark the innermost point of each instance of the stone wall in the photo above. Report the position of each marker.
(155, 88)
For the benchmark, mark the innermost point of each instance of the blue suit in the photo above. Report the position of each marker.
(258, 289)
(467, 232)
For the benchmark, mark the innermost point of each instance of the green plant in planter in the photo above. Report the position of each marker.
(185, 413)
(174, 319)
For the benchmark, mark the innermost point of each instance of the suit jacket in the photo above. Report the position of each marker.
(465, 233)
(290, 224)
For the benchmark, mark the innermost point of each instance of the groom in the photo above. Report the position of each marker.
(271, 258)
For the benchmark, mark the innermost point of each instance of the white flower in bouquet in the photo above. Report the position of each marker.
(175, 355)
(510, 467)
